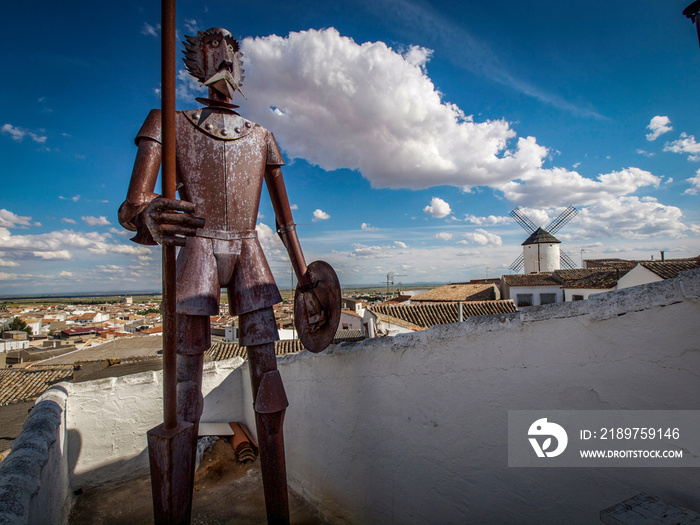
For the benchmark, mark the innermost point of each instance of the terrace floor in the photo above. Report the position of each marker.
(226, 492)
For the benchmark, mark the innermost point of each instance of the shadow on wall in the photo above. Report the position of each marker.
(224, 402)
(115, 471)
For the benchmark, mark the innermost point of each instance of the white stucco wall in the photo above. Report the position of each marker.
(353, 322)
(413, 429)
(636, 276)
(585, 292)
(541, 257)
(535, 291)
(107, 420)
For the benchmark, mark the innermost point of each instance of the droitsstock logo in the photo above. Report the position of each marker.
(542, 428)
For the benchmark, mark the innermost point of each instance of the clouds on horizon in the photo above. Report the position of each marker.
(61, 246)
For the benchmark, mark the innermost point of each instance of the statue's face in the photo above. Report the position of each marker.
(213, 57)
(217, 54)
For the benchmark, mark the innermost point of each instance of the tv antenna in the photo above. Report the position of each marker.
(390, 280)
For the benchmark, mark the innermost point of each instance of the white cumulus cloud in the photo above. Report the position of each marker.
(368, 227)
(364, 251)
(438, 208)
(630, 217)
(443, 236)
(658, 126)
(60, 255)
(491, 220)
(370, 108)
(557, 186)
(9, 219)
(685, 144)
(483, 238)
(96, 221)
(320, 215)
(694, 184)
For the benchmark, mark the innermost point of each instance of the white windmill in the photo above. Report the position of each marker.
(541, 252)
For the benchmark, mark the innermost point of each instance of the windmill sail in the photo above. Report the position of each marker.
(518, 263)
(563, 218)
(541, 251)
(566, 261)
(523, 220)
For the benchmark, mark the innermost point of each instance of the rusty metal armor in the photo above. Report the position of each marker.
(221, 163)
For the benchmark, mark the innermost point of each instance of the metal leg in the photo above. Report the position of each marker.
(258, 333)
(193, 339)
(270, 433)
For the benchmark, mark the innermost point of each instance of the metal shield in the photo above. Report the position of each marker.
(324, 293)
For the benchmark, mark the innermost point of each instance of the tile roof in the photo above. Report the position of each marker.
(430, 314)
(31, 354)
(573, 274)
(83, 330)
(457, 292)
(603, 263)
(347, 336)
(118, 348)
(604, 279)
(23, 385)
(220, 351)
(598, 263)
(670, 269)
(532, 279)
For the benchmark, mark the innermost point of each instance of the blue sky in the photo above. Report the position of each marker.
(410, 130)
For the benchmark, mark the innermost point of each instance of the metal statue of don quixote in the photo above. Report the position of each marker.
(217, 161)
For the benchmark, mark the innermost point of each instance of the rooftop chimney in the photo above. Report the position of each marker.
(662, 256)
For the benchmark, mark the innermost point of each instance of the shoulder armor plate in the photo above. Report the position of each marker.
(218, 124)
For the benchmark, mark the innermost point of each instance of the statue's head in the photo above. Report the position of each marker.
(214, 58)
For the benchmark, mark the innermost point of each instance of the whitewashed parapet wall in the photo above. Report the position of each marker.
(83, 435)
(413, 429)
(107, 420)
(34, 477)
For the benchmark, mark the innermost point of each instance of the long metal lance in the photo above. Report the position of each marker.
(168, 59)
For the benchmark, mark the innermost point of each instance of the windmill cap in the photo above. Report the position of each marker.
(539, 236)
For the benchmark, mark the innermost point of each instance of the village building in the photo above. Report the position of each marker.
(597, 276)
(459, 292)
(388, 319)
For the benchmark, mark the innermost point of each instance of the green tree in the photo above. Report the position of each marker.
(149, 311)
(18, 324)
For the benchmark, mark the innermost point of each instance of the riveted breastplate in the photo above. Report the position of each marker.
(221, 159)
